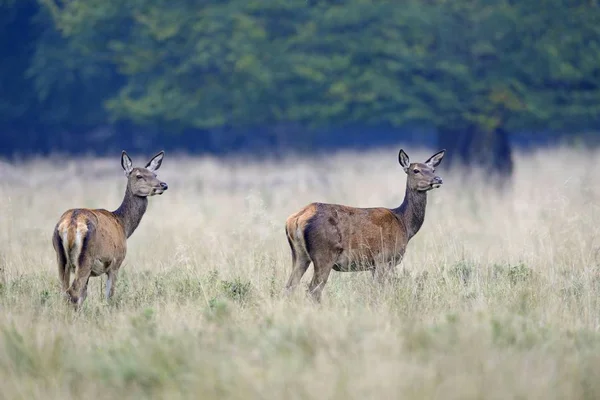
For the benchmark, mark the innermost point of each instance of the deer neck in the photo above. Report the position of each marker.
(412, 210)
(131, 211)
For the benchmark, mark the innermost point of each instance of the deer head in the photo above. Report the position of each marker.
(143, 182)
(421, 176)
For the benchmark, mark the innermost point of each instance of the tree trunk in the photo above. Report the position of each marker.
(471, 148)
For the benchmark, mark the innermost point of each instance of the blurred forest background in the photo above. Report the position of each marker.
(477, 77)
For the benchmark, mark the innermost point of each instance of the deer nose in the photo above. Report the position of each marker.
(164, 186)
(438, 180)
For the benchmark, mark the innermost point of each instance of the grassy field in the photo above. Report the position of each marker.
(497, 298)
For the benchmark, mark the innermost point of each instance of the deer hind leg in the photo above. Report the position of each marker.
(78, 290)
(299, 268)
(83, 269)
(64, 268)
(300, 263)
(324, 257)
(83, 293)
(320, 277)
(64, 274)
(323, 264)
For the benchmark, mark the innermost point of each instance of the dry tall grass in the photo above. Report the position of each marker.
(498, 296)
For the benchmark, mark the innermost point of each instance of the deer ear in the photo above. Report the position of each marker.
(155, 162)
(403, 160)
(126, 163)
(435, 159)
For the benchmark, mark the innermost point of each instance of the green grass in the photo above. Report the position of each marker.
(498, 297)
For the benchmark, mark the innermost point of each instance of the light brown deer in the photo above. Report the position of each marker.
(94, 242)
(344, 239)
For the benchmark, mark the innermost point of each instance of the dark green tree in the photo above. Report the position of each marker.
(474, 70)
(17, 43)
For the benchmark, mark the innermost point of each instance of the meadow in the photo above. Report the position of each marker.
(497, 297)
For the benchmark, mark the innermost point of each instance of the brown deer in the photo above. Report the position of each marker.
(94, 242)
(346, 239)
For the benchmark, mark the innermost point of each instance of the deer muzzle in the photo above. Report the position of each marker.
(161, 188)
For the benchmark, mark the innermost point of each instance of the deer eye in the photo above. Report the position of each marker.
(416, 171)
(139, 176)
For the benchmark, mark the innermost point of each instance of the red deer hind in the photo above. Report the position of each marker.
(343, 238)
(94, 242)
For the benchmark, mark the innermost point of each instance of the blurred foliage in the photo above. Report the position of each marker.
(475, 66)
(17, 44)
